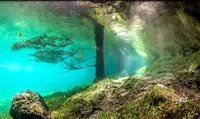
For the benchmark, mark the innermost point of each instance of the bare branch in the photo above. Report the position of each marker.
(71, 67)
(51, 50)
(77, 66)
(52, 56)
(40, 42)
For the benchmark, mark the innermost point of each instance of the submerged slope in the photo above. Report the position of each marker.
(171, 36)
(132, 98)
(172, 43)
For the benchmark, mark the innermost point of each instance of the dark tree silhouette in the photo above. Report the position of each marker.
(99, 38)
(51, 50)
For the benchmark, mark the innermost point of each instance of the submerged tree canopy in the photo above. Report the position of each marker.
(60, 48)
(49, 49)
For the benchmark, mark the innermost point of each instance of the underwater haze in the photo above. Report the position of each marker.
(25, 69)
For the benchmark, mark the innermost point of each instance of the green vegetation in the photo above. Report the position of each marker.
(5, 115)
(159, 102)
(80, 105)
(190, 79)
(113, 11)
(55, 100)
(166, 36)
(175, 66)
(130, 98)
(127, 98)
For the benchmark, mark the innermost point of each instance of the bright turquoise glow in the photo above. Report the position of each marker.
(18, 70)
(23, 20)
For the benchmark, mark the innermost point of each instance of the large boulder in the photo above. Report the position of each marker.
(29, 105)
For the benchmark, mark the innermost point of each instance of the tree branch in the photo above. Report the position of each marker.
(76, 66)
(72, 67)
(40, 42)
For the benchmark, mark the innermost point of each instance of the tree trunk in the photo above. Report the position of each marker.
(120, 61)
(99, 38)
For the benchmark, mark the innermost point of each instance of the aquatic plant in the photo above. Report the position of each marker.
(55, 100)
(116, 38)
(130, 98)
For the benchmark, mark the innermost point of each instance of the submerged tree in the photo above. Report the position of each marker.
(56, 49)
(99, 37)
(53, 50)
(48, 49)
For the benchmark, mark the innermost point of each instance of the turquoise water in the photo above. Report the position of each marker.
(19, 71)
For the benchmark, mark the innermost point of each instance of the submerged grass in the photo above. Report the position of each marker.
(159, 102)
(80, 105)
(5, 115)
(130, 98)
(174, 65)
(55, 100)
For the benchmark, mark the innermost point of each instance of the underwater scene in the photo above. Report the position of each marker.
(100, 59)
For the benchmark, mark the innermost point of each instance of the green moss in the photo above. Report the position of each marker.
(145, 106)
(80, 105)
(155, 101)
(110, 114)
(75, 108)
(112, 11)
(133, 84)
(37, 109)
(175, 65)
(158, 95)
(55, 100)
(185, 110)
(159, 102)
(190, 79)
(5, 115)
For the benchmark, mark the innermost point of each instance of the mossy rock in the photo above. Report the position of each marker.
(183, 110)
(55, 100)
(174, 65)
(145, 99)
(133, 84)
(159, 102)
(190, 79)
(158, 94)
(75, 109)
(29, 104)
(80, 106)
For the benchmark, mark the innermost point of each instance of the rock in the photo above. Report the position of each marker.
(29, 105)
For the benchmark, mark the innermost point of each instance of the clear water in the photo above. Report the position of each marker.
(19, 71)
